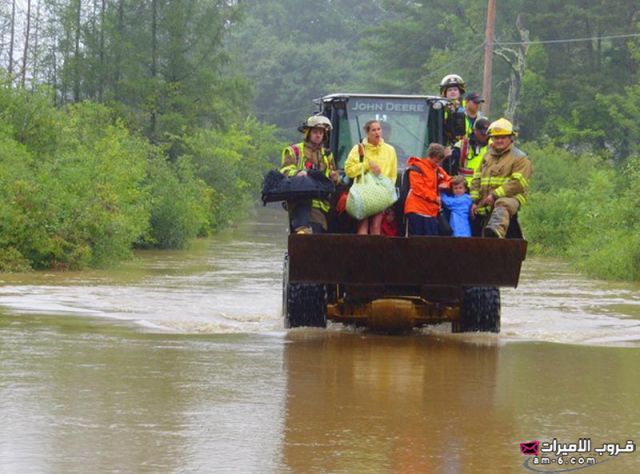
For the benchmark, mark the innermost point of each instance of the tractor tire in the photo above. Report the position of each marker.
(303, 304)
(480, 311)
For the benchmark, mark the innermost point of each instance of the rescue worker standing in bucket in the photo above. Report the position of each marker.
(499, 187)
(467, 153)
(452, 87)
(472, 112)
(308, 157)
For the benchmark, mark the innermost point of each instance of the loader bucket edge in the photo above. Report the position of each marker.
(374, 260)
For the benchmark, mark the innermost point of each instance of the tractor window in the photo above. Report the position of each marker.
(404, 126)
(345, 142)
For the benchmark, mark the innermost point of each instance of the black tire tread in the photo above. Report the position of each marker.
(480, 311)
(303, 305)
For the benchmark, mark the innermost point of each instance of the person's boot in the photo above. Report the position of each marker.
(491, 233)
(497, 225)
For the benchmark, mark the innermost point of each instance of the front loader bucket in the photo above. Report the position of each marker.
(375, 260)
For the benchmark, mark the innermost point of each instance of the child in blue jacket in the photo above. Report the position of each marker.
(459, 205)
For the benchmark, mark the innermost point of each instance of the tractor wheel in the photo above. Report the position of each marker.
(480, 311)
(303, 304)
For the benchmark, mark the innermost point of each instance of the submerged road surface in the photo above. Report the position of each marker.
(178, 362)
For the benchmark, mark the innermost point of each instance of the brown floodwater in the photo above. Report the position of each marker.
(178, 362)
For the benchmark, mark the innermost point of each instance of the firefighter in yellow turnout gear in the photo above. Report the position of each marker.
(308, 157)
(499, 187)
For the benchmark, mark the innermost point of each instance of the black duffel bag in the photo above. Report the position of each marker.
(278, 187)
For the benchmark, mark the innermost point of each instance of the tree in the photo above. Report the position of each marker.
(517, 61)
(12, 39)
(573, 73)
(292, 53)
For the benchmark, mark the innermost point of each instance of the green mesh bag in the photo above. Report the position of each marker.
(370, 195)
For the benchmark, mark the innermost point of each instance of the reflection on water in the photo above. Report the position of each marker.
(554, 303)
(82, 395)
(177, 362)
(429, 404)
(385, 403)
(94, 397)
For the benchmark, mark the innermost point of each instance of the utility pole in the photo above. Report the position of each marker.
(488, 56)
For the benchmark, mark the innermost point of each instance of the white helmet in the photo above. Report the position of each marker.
(318, 121)
(451, 80)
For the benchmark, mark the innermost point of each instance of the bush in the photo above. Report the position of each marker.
(548, 220)
(78, 200)
(78, 189)
(180, 204)
(585, 209)
(233, 162)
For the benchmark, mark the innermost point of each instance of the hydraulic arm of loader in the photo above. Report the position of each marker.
(372, 259)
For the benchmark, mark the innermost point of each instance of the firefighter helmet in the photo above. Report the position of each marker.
(451, 80)
(501, 128)
(318, 121)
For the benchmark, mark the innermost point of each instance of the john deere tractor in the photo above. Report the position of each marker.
(396, 283)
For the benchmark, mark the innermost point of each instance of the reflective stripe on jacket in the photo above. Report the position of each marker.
(468, 125)
(470, 158)
(503, 174)
(297, 157)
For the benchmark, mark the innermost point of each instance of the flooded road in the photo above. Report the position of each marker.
(177, 362)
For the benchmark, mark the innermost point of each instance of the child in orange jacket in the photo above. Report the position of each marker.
(426, 179)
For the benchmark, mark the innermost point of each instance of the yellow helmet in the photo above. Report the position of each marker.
(500, 128)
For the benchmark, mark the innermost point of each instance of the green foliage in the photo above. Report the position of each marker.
(621, 110)
(180, 204)
(94, 190)
(80, 186)
(585, 209)
(11, 260)
(232, 163)
(548, 220)
(423, 41)
(293, 52)
(80, 203)
(83, 184)
(30, 119)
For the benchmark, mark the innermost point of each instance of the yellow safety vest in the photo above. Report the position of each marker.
(302, 163)
(470, 159)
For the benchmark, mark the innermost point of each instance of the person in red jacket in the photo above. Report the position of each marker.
(426, 178)
(389, 225)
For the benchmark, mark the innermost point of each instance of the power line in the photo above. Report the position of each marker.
(500, 43)
(460, 59)
(567, 40)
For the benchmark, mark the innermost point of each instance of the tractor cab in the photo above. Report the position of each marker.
(409, 122)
